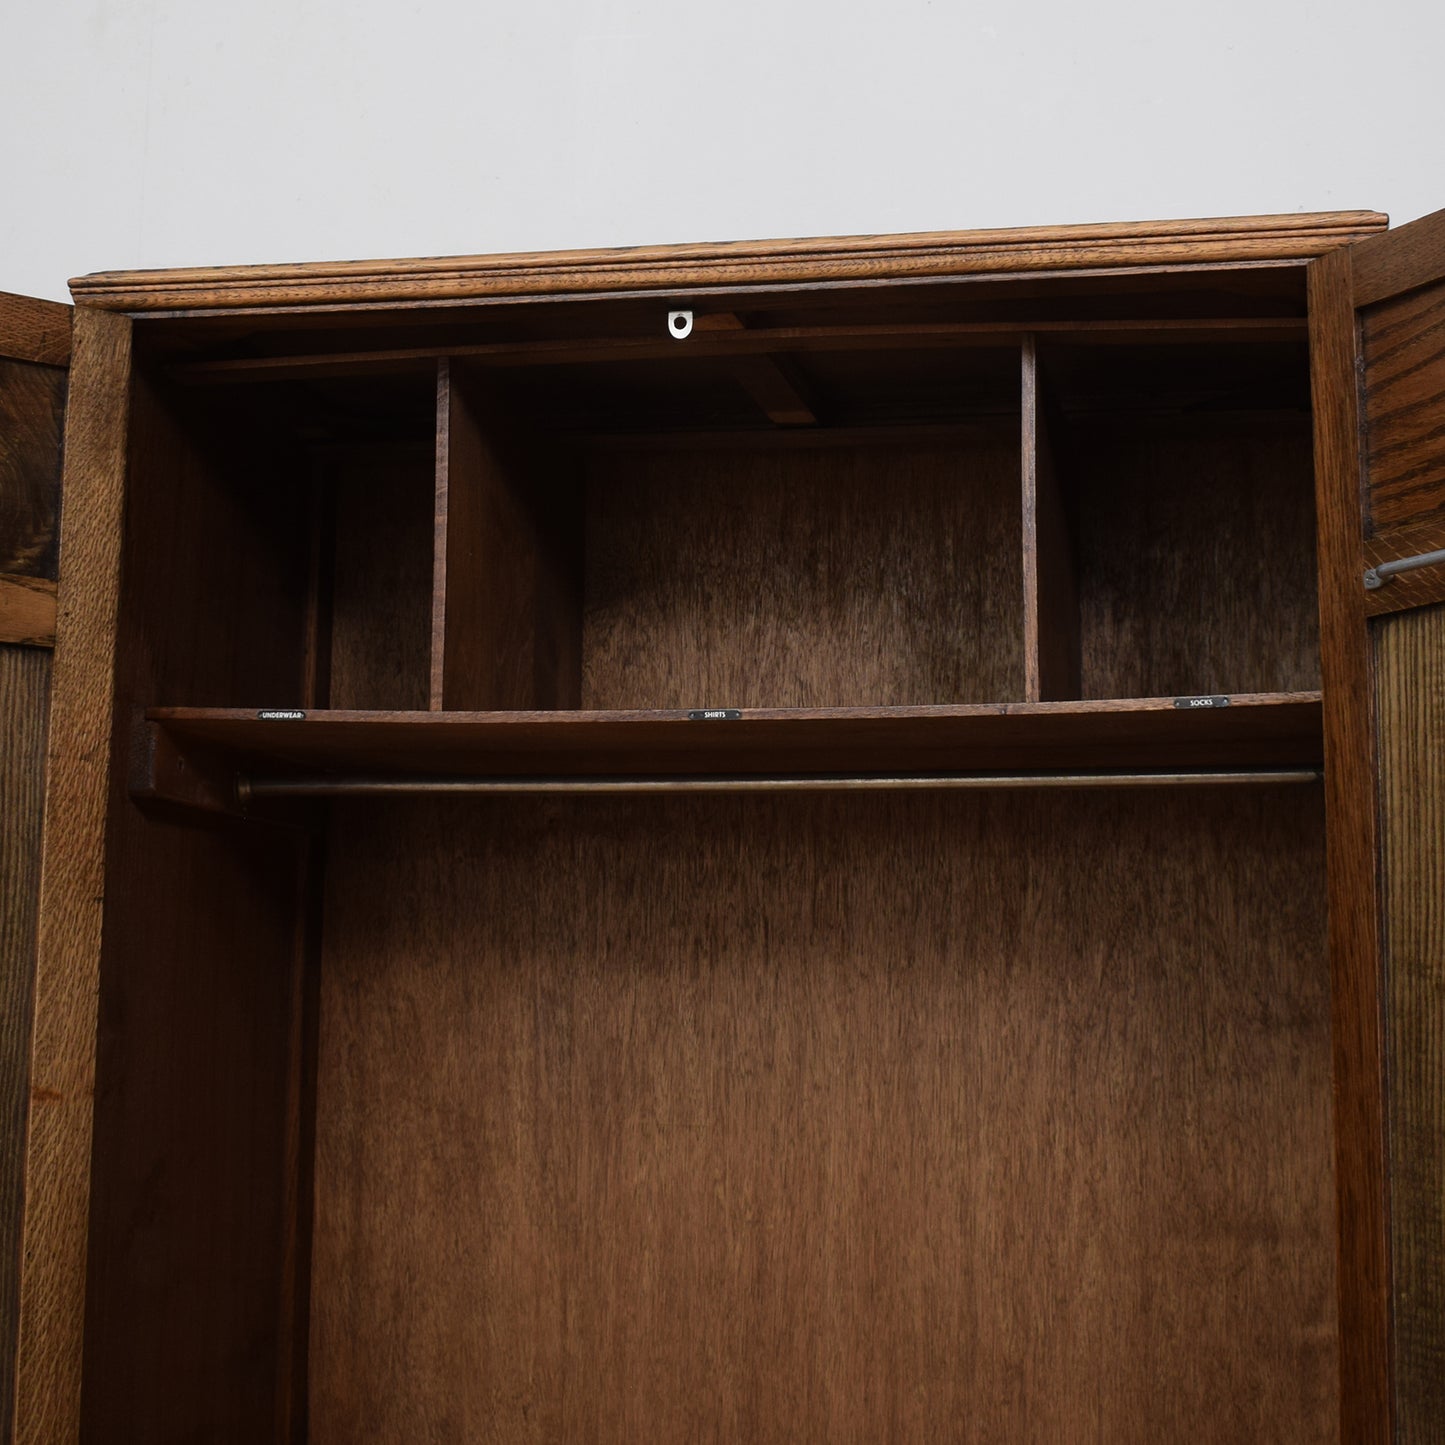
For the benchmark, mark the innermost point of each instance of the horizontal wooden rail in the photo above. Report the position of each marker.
(27, 610)
(249, 789)
(753, 341)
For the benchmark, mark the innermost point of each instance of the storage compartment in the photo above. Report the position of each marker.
(848, 1106)
(819, 572)
(469, 539)
(373, 565)
(673, 537)
(295, 527)
(839, 1118)
(1185, 478)
(850, 528)
(845, 1117)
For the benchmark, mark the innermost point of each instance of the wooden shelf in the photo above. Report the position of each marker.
(192, 755)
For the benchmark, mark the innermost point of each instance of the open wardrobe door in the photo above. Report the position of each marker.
(1378, 351)
(34, 357)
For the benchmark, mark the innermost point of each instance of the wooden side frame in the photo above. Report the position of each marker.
(1352, 853)
(72, 888)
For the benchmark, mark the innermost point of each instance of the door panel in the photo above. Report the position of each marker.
(1402, 347)
(1377, 318)
(34, 352)
(1410, 683)
(32, 418)
(1398, 296)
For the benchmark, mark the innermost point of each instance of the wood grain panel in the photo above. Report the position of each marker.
(34, 330)
(32, 418)
(27, 611)
(1410, 704)
(381, 589)
(743, 263)
(72, 891)
(1402, 350)
(805, 578)
(24, 708)
(1196, 554)
(1390, 263)
(839, 1120)
(1352, 856)
(506, 611)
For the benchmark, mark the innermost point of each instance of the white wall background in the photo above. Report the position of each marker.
(193, 132)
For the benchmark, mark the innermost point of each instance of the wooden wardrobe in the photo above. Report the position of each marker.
(801, 841)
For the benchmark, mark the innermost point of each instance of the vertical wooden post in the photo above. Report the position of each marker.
(1051, 595)
(72, 887)
(1352, 856)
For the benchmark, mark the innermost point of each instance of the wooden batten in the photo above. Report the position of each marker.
(779, 391)
(1051, 587)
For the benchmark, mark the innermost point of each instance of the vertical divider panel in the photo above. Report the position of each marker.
(506, 604)
(316, 684)
(440, 533)
(1051, 593)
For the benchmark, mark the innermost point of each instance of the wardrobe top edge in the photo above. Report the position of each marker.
(678, 269)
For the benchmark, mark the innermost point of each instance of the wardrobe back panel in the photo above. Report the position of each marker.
(907, 1117)
(804, 576)
(1196, 554)
(379, 498)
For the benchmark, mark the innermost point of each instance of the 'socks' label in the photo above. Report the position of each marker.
(1215, 700)
(281, 714)
(714, 714)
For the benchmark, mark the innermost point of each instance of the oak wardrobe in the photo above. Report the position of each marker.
(822, 840)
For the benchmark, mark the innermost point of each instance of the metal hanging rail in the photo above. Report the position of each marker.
(254, 789)
(1377, 576)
